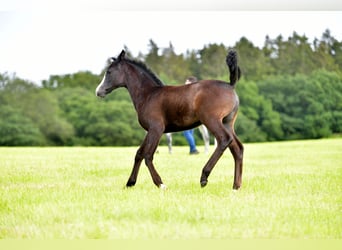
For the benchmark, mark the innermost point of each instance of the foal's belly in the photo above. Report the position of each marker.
(176, 128)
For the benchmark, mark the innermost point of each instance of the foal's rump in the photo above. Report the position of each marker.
(216, 99)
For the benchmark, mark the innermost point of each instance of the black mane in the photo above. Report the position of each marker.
(147, 70)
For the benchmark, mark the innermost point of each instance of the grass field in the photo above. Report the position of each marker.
(290, 190)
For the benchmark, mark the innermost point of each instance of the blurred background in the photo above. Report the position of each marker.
(52, 57)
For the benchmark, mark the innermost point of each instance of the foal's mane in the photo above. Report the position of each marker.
(143, 67)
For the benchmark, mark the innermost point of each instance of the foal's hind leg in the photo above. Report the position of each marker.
(236, 148)
(223, 140)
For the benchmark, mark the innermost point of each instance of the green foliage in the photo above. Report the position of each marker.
(213, 59)
(253, 62)
(39, 109)
(42, 107)
(109, 124)
(257, 120)
(100, 122)
(290, 89)
(309, 105)
(84, 79)
(17, 129)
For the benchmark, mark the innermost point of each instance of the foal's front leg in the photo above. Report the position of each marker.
(137, 162)
(146, 151)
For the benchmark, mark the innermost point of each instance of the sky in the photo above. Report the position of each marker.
(43, 38)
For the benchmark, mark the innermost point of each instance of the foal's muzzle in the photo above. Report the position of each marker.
(103, 93)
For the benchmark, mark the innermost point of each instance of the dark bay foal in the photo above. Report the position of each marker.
(163, 109)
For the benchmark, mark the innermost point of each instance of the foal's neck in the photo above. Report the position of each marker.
(140, 86)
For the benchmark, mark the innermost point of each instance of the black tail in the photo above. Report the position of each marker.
(234, 70)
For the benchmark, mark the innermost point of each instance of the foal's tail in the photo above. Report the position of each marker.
(234, 70)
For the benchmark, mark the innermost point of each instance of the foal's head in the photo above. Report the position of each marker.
(113, 78)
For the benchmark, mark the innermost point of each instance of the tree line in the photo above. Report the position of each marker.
(290, 89)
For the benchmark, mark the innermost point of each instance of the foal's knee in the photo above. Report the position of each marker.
(148, 159)
(138, 157)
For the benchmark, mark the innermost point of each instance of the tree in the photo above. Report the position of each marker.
(114, 123)
(193, 60)
(100, 122)
(253, 63)
(153, 59)
(174, 67)
(18, 130)
(83, 79)
(309, 105)
(76, 104)
(258, 122)
(328, 52)
(212, 61)
(40, 106)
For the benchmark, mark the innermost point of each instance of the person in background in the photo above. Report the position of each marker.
(189, 134)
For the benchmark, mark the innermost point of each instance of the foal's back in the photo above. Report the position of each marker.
(186, 106)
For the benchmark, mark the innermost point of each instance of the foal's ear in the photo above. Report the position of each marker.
(122, 55)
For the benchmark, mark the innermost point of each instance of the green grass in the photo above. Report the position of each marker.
(290, 190)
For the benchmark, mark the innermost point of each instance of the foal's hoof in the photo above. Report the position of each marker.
(204, 183)
(130, 184)
(162, 187)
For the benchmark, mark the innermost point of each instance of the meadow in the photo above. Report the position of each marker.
(290, 190)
